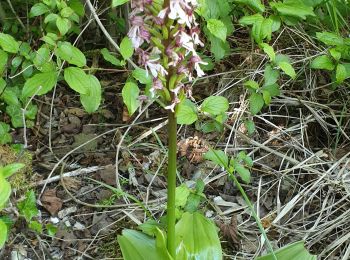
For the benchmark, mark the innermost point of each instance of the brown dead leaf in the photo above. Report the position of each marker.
(229, 231)
(72, 184)
(108, 174)
(193, 148)
(126, 116)
(51, 202)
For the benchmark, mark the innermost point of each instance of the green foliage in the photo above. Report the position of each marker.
(116, 3)
(126, 49)
(294, 251)
(196, 238)
(27, 208)
(186, 112)
(5, 193)
(130, 95)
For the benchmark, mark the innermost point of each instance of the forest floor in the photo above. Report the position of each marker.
(300, 179)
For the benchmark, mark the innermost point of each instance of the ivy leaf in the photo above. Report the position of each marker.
(76, 79)
(215, 105)
(217, 28)
(287, 68)
(322, 62)
(8, 43)
(126, 48)
(130, 94)
(27, 208)
(45, 80)
(116, 3)
(3, 233)
(110, 58)
(63, 25)
(256, 103)
(38, 9)
(218, 157)
(186, 113)
(243, 172)
(66, 51)
(92, 100)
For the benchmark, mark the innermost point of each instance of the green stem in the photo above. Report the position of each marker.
(257, 219)
(172, 133)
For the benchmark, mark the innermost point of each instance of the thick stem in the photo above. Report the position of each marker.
(172, 145)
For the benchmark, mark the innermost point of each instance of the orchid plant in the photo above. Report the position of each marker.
(165, 37)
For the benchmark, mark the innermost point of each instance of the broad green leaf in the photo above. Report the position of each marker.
(330, 38)
(51, 230)
(110, 58)
(214, 9)
(142, 76)
(266, 29)
(116, 3)
(340, 74)
(10, 169)
(130, 94)
(182, 193)
(38, 9)
(335, 54)
(270, 75)
(276, 23)
(77, 6)
(197, 238)
(269, 51)
(218, 157)
(42, 56)
(5, 137)
(243, 172)
(16, 114)
(250, 125)
(36, 226)
(186, 113)
(126, 49)
(266, 96)
(287, 68)
(3, 233)
(27, 207)
(322, 62)
(255, 4)
(8, 43)
(273, 89)
(5, 193)
(217, 28)
(218, 47)
(3, 61)
(92, 100)
(45, 81)
(294, 251)
(215, 105)
(66, 51)
(76, 79)
(294, 8)
(256, 103)
(50, 18)
(10, 96)
(136, 245)
(66, 12)
(251, 19)
(251, 84)
(63, 25)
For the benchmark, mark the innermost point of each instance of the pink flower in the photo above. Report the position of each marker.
(173, 104)
(181, 11)
(195, 36)
(196, 61)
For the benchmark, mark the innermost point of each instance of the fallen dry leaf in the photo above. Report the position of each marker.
(51, 202)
